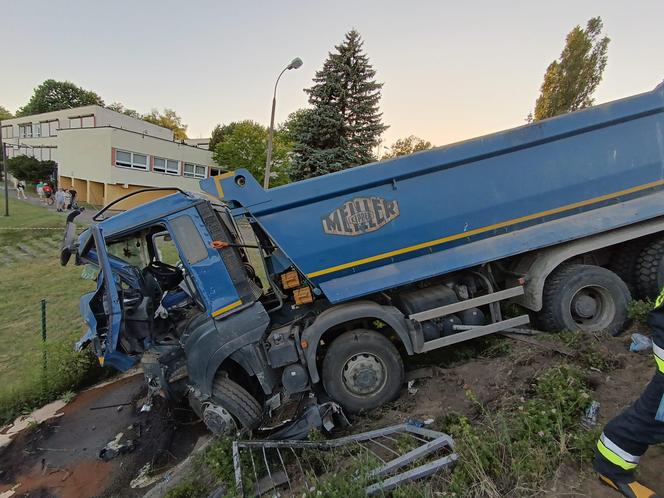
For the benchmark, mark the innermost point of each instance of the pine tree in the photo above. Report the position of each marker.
(344, 124)
(570, 81)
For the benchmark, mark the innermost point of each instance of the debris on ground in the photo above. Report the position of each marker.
(120, 445)
(639, 343)
(589, 419)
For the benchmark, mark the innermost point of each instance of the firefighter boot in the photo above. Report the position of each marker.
(633, 489)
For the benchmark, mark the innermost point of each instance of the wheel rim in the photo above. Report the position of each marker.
(592, 308)
(364, 374)
(219, 420)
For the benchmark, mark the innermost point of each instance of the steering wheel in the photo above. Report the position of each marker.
(168, 276)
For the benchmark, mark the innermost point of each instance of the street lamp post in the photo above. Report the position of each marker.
(4, 175)
(294, 64)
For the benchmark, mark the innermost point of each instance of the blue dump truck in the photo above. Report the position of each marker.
(243, 298)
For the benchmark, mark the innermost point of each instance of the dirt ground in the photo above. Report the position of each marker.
(495, 380)
(61, 457)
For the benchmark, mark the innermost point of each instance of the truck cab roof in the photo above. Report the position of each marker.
(143, 215)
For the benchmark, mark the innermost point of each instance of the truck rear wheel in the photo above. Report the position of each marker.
(584, 297)
(231, 409)
(362, 370)
(650, 269)
(624, 260)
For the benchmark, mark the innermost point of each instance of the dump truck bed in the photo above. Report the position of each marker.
(390, 223)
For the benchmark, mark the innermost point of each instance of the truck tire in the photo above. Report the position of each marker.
(229, 397)
(624, 261)
(584, 297)
(362, 370)
(650, 269)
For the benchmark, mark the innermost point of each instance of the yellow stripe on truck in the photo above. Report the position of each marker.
(217, 182)
(487, 228)
(223, 310)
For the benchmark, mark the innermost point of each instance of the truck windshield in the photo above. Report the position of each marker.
(132, 250)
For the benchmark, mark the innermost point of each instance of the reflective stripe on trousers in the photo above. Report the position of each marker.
(615, 454)
(659, 357)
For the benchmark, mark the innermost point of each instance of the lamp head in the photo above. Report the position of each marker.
(295, 63)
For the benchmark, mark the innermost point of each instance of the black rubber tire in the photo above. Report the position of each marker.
(650, 269)
(237, 401)
(624, 262)
(566, 282)
(352, 344)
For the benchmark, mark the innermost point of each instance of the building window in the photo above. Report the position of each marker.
(168, 166)
(36, 130)
(215, 171)
(53, 127)
(195, 171)
(25, 130)
(133, 160)
(8, 131)
(82, 122)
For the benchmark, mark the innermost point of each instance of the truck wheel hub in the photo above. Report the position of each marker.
(364, 374)
(218, 420)
(585, 305)
(592, 308)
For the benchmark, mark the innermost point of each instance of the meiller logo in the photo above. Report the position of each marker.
(360, 215)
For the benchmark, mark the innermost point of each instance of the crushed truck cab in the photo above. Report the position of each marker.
(241, 299)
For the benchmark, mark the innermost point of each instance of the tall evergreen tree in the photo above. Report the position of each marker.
(344, 124)
(570, 81)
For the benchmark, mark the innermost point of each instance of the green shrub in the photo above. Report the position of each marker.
(638, 310)
(516, 449)
(190, 488)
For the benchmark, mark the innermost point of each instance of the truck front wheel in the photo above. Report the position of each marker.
(584, 297)
(362, 370)
(231, 408)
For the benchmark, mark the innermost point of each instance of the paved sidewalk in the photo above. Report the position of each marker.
(84, 218)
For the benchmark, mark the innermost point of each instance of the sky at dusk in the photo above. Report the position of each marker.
(452, 70)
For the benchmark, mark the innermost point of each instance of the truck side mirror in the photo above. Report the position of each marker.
(69, 239)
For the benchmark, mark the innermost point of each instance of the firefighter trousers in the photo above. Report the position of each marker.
(627, 436)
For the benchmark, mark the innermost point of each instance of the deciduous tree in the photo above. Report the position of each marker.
(168, 119)
(405, 146)
(219, 133)
(30, 169)
(5, 114)
(118, 107)
(345, 123)
(54, 95)
(570, 81)
(245, 146)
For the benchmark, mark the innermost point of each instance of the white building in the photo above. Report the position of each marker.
(105, 154)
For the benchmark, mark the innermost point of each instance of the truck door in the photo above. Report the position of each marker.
(217, 273)
(102, 311)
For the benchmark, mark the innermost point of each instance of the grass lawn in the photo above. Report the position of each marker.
(26, 279)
